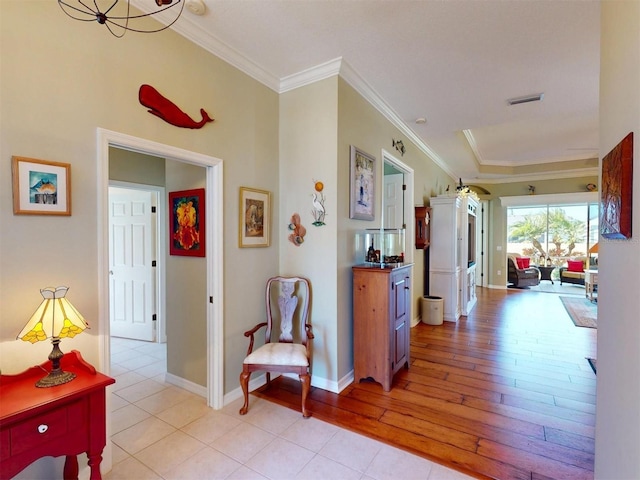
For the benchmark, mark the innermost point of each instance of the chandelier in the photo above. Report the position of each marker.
(116, 15)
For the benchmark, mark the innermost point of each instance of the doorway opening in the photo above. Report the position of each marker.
(214, 248)
(397, 208)
(398, 188)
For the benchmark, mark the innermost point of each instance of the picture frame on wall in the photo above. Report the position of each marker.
(40, 187)
(616, 192)
(187, 221)
(362, 185)
(255, 218)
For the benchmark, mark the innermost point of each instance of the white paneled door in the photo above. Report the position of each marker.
(393, 201)
(132, 245)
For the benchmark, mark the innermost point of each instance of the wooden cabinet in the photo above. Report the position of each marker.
(422, 229)
(64, 420)
(381, 322)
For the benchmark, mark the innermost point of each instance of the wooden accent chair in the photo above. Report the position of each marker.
(289, 349)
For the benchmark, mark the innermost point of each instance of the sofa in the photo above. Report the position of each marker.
(573, 271)
(520, 273)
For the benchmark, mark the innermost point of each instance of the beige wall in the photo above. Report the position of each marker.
(618, 392)
(308, 133)
(318, 123)
(134, 167)
(186, 293)
(61, 80)
(360, 124)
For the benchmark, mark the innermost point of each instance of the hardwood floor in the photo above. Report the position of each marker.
(504, 393)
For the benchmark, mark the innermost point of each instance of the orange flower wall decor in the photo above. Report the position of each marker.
(187, 222)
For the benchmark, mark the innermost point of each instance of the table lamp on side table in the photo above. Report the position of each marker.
(55, 318)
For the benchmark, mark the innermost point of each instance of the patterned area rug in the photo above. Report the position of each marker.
(583, 313)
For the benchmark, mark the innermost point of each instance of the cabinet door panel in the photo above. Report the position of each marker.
(399, 291)
(400, 313)
(400, 345)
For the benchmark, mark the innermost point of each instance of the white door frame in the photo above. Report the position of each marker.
(214, 248)
(482, 246)
(408, 219)
(408, 200)
(160, 245)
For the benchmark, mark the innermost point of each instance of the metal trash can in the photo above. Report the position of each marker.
(432, 310)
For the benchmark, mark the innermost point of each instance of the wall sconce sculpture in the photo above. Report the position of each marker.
(297, 230)
(318, 211)
(399, 146)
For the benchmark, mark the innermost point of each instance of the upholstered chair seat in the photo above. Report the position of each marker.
(279, 354)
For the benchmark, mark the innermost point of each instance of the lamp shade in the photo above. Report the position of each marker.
(594, 249)
(54, 318)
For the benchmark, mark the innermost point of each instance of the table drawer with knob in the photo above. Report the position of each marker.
(43, 428)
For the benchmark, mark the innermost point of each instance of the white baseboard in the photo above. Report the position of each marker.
(254, 383)
(345, 381)
(497, 287)
(318, 382)
(186, 384)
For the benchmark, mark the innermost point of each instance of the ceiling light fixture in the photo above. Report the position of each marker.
(536, 97)
(421, 121)
(197, 7)
(116, 14)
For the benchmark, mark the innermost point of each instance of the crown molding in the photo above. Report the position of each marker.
(311, 75)
(552, 198)
(338, 66)
(210, 43)
(353, 78)
(582, 172)
(205, 39)
(471, 140)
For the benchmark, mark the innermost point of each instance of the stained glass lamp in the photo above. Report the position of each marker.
(55, 318)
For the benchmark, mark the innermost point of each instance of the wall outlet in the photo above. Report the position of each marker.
(499, 272)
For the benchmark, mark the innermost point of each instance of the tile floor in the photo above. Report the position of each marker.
(160, 431)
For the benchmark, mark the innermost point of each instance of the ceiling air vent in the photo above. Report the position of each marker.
(526, 99)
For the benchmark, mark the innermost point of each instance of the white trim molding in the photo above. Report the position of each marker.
(214, 254)
(557, 198)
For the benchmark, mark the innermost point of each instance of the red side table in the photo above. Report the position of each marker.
(65, 420)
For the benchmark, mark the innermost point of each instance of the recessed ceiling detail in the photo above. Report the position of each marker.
(409, 58)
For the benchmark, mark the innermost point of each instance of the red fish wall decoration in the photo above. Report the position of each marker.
(168, 111)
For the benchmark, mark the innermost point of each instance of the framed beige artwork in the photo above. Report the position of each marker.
(255, 218)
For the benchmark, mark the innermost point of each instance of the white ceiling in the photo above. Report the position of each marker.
(455, 63)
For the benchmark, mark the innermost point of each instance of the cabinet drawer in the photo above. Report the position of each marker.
(43, 428)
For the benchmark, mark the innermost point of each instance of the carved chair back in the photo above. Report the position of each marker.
(287, 301)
